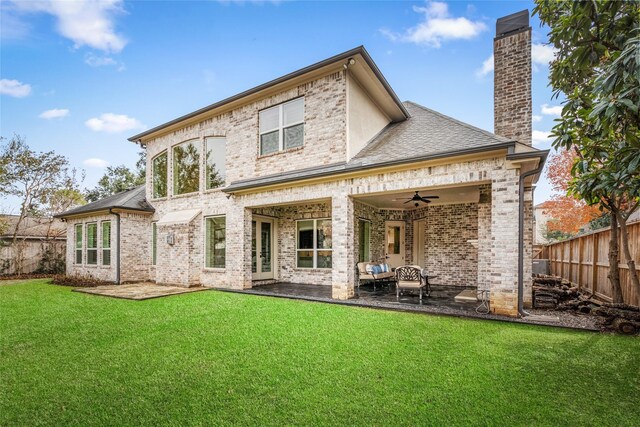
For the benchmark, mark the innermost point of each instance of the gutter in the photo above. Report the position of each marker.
(117, 245)
(537, 170)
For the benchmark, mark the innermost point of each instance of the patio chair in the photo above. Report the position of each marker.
(363, 275)
(408, 277)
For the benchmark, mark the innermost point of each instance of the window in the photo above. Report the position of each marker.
(92, 243)
(186, 168)
(154, 243)
(282, 127)
(159, 175)
(215, 241)
(314, 243)
(215, 155)
(78, 243)
(106, 242)
(364, 241)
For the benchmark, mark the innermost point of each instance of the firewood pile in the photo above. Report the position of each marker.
(551, 291)
(556, 293)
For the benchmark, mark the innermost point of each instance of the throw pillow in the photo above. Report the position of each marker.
(376, 269)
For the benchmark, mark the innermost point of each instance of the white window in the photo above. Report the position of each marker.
(215, 241)
(314, 243)
(282, 127)
(364, 241)
(78, 243)
(106, 242)
(92, 243)
(215, 155)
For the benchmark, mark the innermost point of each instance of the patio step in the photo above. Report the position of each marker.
(468, 295)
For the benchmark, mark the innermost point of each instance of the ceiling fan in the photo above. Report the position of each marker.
(417, 198)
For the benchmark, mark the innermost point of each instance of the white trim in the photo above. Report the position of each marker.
(87, 248)
(315, 248)
(281, 127)
(204, 230)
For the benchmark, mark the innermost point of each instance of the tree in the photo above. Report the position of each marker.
(34, 177)
(569, 212)
(597, 68)
(118, 179)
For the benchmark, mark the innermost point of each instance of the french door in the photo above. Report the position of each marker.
(394, 243)
(262, 248)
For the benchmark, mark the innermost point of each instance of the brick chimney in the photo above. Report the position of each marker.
(512, 77)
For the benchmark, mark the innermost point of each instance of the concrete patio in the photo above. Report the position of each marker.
(138, 291)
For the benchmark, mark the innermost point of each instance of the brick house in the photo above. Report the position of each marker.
(298, 179)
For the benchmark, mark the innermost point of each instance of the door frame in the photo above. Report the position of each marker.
(403, 249)
(259, 275)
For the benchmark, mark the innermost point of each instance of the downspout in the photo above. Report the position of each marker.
(117, 245)
(535, 171)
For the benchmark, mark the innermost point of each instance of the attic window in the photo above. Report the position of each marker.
(282, 127)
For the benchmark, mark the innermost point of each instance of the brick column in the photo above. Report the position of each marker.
(504, 242)
(238, 250)
(528, 247)
(342, 222)
(484, 237)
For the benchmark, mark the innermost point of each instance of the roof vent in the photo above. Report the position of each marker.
(511, 23)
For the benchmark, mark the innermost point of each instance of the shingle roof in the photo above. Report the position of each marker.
(425, 133)
(132, 199)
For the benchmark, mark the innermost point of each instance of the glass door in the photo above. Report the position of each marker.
(262, 248)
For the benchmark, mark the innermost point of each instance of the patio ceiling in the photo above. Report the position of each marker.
(447, 196)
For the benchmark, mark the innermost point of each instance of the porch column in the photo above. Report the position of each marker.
(484, 238)
(504, 242)
(527, 271)
(343, 235)
(238, 247)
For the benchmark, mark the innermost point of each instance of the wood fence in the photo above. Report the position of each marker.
(584, 261)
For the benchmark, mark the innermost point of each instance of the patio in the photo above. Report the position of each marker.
(441, 301)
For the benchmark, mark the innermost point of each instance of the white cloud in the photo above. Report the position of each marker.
(113, 123)
(85, 22)
(541, 139)
(14, 88)
(551, 110)
(95, 163)
(99, 61)
(536, 118)
(487, 67)
(438, 25)
(542, 54)
(102, 61)
(55, 113)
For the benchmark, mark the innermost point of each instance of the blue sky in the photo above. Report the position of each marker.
(80, 77)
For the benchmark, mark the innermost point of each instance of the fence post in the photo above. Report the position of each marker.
(594, 272)
(580, 254)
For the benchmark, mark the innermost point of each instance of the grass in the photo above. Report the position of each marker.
(208, 358)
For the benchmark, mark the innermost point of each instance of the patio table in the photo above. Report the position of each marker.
(425, 276)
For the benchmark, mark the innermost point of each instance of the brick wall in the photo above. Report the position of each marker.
(98, 271)
(512, 86)
(135, 249)
(324, 133)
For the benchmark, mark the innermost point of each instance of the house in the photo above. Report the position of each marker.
(298, 179)
(38, 241)
(541, 219)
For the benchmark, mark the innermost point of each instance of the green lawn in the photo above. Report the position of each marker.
(206, 358)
